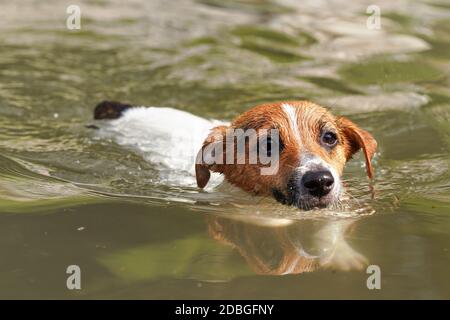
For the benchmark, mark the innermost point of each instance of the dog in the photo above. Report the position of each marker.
(312, 147)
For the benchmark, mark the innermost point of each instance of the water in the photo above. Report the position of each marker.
(67, 197)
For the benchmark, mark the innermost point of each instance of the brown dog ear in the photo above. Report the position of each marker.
(210, 156)
(357, 138)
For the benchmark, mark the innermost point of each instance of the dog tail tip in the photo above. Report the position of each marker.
(110, 110)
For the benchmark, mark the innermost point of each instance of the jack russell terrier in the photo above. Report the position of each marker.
(309, 144)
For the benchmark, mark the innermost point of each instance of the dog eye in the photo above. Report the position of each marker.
(265, 146)
(329, 139)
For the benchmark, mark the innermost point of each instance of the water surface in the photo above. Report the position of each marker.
(69, 198)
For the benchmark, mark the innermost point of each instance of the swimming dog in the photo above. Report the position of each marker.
(311, 146)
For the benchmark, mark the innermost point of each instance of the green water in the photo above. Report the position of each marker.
(67, 198)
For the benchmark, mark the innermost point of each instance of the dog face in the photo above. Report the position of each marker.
(267, 250)
(312, 147)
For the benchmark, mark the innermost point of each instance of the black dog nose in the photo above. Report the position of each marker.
(318, 183)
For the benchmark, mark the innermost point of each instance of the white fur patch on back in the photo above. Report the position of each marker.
(291, 114)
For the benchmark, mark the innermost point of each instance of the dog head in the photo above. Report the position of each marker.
(309, 150)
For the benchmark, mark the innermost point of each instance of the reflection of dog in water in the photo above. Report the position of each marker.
(278, 247)
(311, 146)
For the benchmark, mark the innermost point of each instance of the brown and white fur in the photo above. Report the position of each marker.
(309, 170)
